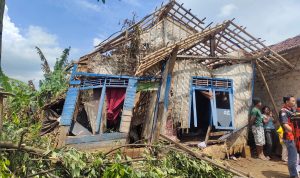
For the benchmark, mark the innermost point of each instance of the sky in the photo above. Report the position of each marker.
(53, 25)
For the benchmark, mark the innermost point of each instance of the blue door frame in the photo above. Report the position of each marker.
(194, 103)
(211, 84)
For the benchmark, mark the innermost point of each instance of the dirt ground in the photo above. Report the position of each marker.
(261, 169)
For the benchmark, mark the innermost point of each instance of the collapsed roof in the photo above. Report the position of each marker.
(221, 44)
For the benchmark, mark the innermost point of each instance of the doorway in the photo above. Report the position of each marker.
(202, 112)
(200, 117)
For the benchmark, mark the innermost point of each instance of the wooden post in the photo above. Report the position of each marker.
(267, 87)
(212, 43)
(207, 134)
(164, 95)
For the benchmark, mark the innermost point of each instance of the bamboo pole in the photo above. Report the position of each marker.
(267, 87)
(280, 57)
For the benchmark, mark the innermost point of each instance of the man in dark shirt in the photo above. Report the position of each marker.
(286, 112)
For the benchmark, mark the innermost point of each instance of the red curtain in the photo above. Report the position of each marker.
(115, 98)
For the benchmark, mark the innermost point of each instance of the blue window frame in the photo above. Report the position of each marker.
(93, 81)
(221, 103)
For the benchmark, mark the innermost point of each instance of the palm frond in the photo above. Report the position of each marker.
(63, 60)
(44, 66)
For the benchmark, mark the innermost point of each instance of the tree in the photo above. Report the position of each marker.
(55, 81)
(2, 7)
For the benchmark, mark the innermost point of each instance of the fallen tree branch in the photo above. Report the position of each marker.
(142, 145)
(42, 172)
(11, 145)
(133, 160)
(22, 137)
(202, 157)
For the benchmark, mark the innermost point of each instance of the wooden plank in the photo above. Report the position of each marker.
(104, 118)
(100, 108)
(221, 133)
(127, 113)
(216, 58)
(61, 138)
(125, 126)
(212, 45)
(164, 94)
(78, 129)
(207, 134)
(91, 108)
(211, 142)
(127, 118)
(95, 138)
(103, 145)
(128, 106)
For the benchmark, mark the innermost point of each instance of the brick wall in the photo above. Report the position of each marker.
(281, 81)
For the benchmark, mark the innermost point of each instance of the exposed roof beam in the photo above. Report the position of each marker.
(216, 58)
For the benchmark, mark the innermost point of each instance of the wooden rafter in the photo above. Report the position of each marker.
(159, 55)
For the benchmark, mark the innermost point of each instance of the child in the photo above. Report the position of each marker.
(256, 121)
(284, 150)
(270, 132)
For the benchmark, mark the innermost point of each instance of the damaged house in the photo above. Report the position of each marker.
(170, 73)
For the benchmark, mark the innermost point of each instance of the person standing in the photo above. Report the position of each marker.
(256, 120)
(285, 115)
(284, 153)
(270, 132)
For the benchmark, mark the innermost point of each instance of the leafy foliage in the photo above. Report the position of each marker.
(27, 101)
(4, 164)
(73, 163)
(55, 83)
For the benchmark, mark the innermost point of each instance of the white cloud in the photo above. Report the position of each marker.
(227, 10)
(272, 20)
(19, 58)
(96, 41)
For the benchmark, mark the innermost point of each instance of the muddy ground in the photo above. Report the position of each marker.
(260, 169)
